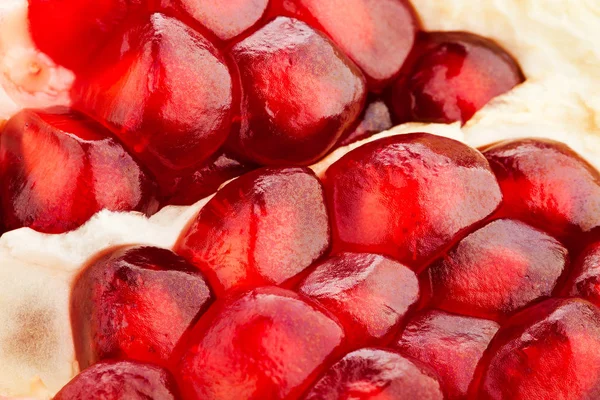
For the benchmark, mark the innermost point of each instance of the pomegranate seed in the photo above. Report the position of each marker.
(376, 118)
(263, 228)
(370, 294)
(547, 185)
(120, 380)
(57, 169)
(409, 196)
(165, 90)
(548, 351)
(300, 93)
(584, 281)
(264, 344)
(135, 303)
(497, 270)
(375, 374)
(454, 74)
(450, 345)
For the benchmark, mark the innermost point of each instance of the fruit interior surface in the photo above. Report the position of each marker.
(412, 266)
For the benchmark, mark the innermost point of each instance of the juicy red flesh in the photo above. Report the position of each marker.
(497, 270)
(584, 281)
(57, 169)
(454, 74)
(121, 380)
(408, 196)
(377, 34)
(549, 351)
(375, 374)
(376, 118)
(547, 185)
(368, 293)
(264, 344)
(135, 303)
(450, 345)
(164, 90)
(263, 228)
(300, 93)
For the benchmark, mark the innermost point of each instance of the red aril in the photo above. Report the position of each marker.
(547, 185)
(548, 351)
(497, 270)
(452, 76)
(584, 281)
(164, 90)
(409, 196)
(376, 118)
(57, 169)
(121, 380)
(265, 344)
(262, 228)
(450, 345)
(135, 303)
(368, 293)
(377, 34)
(299, 94)
(374, 374)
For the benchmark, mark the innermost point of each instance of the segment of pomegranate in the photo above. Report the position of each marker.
(409, 196)
(497, 270)
(121, 380)
(368, 293)
(264, 344)
(58, 168)
(453, 76)
(262, 228)
(376, 118)
(450, 345)
(164, 89)
(300, 93)
(548, 351)
(584, 281)
(547, 185)
(135, 303)
(377, 34)
(370, 374)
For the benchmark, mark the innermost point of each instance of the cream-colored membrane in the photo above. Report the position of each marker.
(554, 41)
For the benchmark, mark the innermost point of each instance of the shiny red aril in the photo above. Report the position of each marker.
(368, 293)
(408, 196)
(299, 94)
(376, 118)
(121, 380)
(453, 75)
(451, 345)
(377, 34)
(135, 303)
(497, 270)
(375, 374)
(262, 228)
(548, 351)
(57, 169)
(584, 280)
(268, 343)
(165, 91)
(547, 185)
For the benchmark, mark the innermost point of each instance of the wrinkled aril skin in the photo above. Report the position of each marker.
(452, 76)
(299, 94)
(265, 344)
(368, 293)
(376, 118)
(377, 34)
(451, 345)
(409, 196)
(164, 90)
(119, 381)
(548, 351)
(262, 228)
(497, 270)
(373, 374)
(547, 185)
(58, 168)
(135, 303)
(584, 280)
